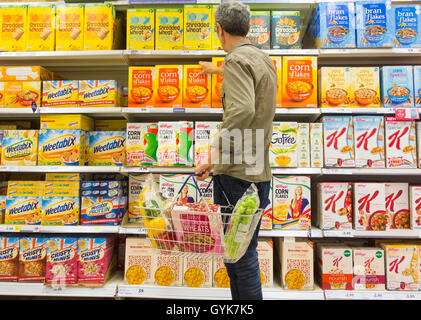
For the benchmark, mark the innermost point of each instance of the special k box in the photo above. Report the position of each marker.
(369, 269)
(60, 93)
(99, 20)
(197, 27)
(397, 205)
(168, 86)
(99, 93)
(20, 147)
(415, 206)
(277, 61)
(197, 88)
(401, 146)
(69, 26)
(41, 27)
(62, 263)
(299, 82)
(141, 86)
(9, 258)
(335, 205)
(107, 148)
(369, 141)
(217, 83)
(13, 19)
(369, 206)
(338, 137)
(23, 210)
(335, 267)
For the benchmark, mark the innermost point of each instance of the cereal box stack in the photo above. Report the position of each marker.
(401, 147)
(369, 268)
(397, 86)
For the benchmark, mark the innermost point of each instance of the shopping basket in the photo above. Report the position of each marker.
(200, 229)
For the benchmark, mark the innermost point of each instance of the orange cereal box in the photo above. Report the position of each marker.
(169, 86)
(299, 82)
(40, 27)
(22, 94)
(141, 81)
(69, 26)
(217, 84)
(197, 88)
(13, 27)
(277, 61)
(365, 87)
(99, 24)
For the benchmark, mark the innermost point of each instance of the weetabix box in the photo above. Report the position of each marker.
(401, 146)
(107, 148)
(369, 270)
(99, 93)
(19, 147)
(61, 93)
(283, 151)
(397, 205)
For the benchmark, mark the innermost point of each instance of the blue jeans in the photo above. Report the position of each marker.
(244, 275)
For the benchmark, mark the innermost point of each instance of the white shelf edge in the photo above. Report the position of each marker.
(313, 233)
(357, 110)
(64, 169)
(59, 229)
(371, 171)
(83, 110)
(371, 295)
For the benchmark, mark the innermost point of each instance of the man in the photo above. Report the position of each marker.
(249, 99)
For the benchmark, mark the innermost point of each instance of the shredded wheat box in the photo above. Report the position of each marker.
(335, 267)
(397, 205)
(69, 26)
(13, 19)
(369, 269)
(265, 257)
(401, 146)
(41, 27)
(140, 29)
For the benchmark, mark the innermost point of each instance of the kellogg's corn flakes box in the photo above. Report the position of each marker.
(283, 151)
(22, 94)
(23, 210)
(141, 86)
(169, 29)
(197, 87)
(168, 86)
(69, 26)
(299, 82)
(277, 62)
(13, 19)
(41, 27)
(365, 87)
(61, 93)
(170, 187)
(61, 147)
(259, 33)
(32, 259)
(66, 121)
(142, 144)
(20, 147)
(107, 148)
(99, 93)
(9, 258)
(204, 133)
(217, 84)
(197, 27)
(99, 21)
(140, 29)
(62, 261)
(100, 210)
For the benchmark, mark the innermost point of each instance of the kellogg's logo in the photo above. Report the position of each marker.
(60, 93)
(60, 208)
(100, 209)
(98, 93)
(24, 208)
(110, 145)
(92, 255)
(63, 143)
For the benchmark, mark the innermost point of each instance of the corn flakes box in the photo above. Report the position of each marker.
(32, 259)
(335, 267)
(170, 187)
(9, 258)
(140, 29)
(23, 210)
(285, 27)
(401, 148)
(397, 86)
(216, 44)
(107, 148)
(25, 73)
(338, 137)
(265, 257)
(60, 211)
(204, 133)
(197, 27)
(374, 23)
(135, 189)
(142, 144)
(100, 210)
(175, 144)
(13, 19)
(369, 141)
(217, 84)
(40, 27)
(68, 121)
(259, 33)
(291, 202)
(284, 147)
(277, 61)
(299, 82)
(61, 147)
(110, 125)
(141, 87)
(407, 26)
(99, 21)
(197, 272)
(139, 261)
(397, 206)
(369, 269)
(20, 147)
(69, 26)
(61, 268)
(95, 260)
(415, 206)
(99, 93)
(197, 87)
(316, 145)
(60, 93)
(168, 86)
(266, 223)
(334, 87)
(169, 29)
(22, 94)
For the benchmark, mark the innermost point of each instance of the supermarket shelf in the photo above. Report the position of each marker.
(372, 171)
(64, 169)
(19, 113)
(371, 111)
(132, 230)
(299, 171)
(100, 112)
(390, 234)
(313, 233)
(371, 295)
(157, 170)
(58, 229)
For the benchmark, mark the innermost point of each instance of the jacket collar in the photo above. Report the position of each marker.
(239, 44)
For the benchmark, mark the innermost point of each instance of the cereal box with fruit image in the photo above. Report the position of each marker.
(99, 93)
(334, 88)
(141, 144)
(170, 187)
(99, 20)
(415, 206)
(69, 26)
(335, 267)
(140, 29)
(40, 27)
(107, 148)
(197, 88)
(259, 33)
(169, 32)
(285, 29)
(62, 263)
(19, 147)
(197, 27)
(9, 258)
(217, 84)
(168, 86)
(364, 87)
(175, 144)
(401, 146)
(283, 151)
(141, 86)
(22, 94)
(60, 93)
(369, 269)
(397, 86)
(32, 259)
(13, 19)
(397, 205)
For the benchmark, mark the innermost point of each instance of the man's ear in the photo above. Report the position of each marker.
(219, 29)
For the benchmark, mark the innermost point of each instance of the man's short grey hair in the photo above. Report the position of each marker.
(234, 18)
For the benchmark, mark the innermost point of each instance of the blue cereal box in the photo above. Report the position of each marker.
(100, 210)
(397, 86)
(417, 86)
(374, 21)
(259, 33)
(285, 30)
(107, 148)
(407, 26)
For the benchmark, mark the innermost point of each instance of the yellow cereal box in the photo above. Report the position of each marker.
(334, 86)
(40, 27)
(299, 82)
(1, 94)
(25, 188)
(197, 88)
(99, 20)
(61, 188)
(66, 121)
(20, 148)
(140, 29)
(60, 93)
(277, 61)
(168, 86)
(217, 84)
(110, 125)
(216, 44)
(99, 93)
(365, 87)
(197, 27)
(25, 73)
(69, 27)
(22, 94)
(23, 210)
(141, 86)
(169, 29)
(65, 177)
(107, 148)
(13, 27)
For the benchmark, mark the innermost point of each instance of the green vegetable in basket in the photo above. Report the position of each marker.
(150, 213)
(243, 216)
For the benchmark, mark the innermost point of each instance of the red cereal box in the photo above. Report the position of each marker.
(61, 268)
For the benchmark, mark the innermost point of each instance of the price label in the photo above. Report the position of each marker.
(349, 295)
(179, 110)
(36, 229)
(55, 289)
(97, 229)
(338, 171)
(410, 296)
(407, 114)
(385, 110)
(339, 233)
(378, 295)
(144, 109)
(343, 110)
(122, 291)
(17, 228)
(142, 169)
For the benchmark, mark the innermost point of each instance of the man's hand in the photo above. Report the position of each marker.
(203, 171)
(209, 67)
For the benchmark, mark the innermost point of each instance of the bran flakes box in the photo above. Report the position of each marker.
(141, 87)
(335, 267)
(335, 205)
(291, 197)
(99, 24)
(69, 26)
(140, 29)
(197, 27)
(334, 87)
(369, 141)
(217, 83)
(99, 93)
(197, 88)
(100, 210)
(169, 32)
(168, 270)
(61, 93)
(19, 147)
(107, 148)
(9, 258)
(369, 206)
(397, 86)
(32, 259)
(170, 187)
(61, 267)
(265, 257)
(415, 206)
(407, 26)
(204, 133)
(401, 148)
(303, 145)
(364, 89)
(277, 62)
(369, 269)
(139, 261)
(285, 29)
(141, 144)
(259, 33)
(397, 205)
(338, 141)
(316, 145)
(197, 272)
(168, 86)
(13, 19)
(40, 27)
(283, 148)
